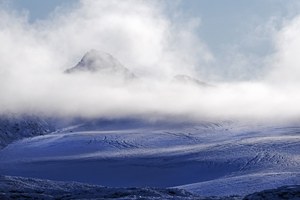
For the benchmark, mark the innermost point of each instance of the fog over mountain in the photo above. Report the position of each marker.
(130, 99)
(139, 42)
(99, 62)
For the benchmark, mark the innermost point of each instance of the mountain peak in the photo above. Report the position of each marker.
(97, 61)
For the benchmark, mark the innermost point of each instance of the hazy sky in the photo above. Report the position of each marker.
(222, 22)
(225, 26)
(247, 50)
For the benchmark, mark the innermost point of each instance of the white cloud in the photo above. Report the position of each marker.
(149, 43)
(286, 60)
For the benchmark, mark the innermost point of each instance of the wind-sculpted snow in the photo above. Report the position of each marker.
(243, 184)
(222, 158)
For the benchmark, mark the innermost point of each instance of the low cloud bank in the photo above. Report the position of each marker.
(153, 46)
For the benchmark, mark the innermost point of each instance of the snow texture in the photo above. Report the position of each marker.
(209, 158)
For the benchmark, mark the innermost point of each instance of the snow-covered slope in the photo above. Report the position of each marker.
(13, 127)
(243, 184)
(207, 158)
(98, 62)
(29, 188)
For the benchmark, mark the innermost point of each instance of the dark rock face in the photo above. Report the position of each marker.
(286, 192)
(101, 62)
(14, 127)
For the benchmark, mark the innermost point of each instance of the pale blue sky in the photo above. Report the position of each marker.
(222, 22)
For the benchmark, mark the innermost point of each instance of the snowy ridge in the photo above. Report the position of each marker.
(14, 127)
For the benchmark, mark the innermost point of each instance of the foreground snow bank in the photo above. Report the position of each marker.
(29, 188)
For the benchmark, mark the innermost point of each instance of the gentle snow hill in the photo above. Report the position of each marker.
(100, 62)
(205, 158)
